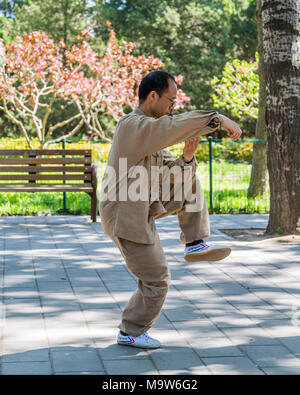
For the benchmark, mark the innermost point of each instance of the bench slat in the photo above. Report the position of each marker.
(48, 169)
(86, 177)
(31, 161)
(16, 161)
(45, 152)
(46, 188)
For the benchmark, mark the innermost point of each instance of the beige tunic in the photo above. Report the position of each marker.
(142, 140)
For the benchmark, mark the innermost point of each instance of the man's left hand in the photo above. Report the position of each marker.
(190, 148)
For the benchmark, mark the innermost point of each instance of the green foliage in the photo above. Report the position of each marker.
(7, 7)
(237, 90)
(226, 149)
(60, 19)
(193, 38)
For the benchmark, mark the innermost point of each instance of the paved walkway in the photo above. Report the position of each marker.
(64, 284)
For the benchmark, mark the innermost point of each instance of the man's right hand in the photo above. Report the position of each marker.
(231, 127)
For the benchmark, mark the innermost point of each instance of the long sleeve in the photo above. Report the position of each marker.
(139, 135)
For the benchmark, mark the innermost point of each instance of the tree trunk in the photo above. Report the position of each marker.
(259, 179)
(281, 41)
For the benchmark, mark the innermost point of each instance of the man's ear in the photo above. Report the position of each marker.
(152, 95)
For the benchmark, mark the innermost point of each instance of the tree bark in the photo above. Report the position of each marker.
(281, 42)
(259, 174)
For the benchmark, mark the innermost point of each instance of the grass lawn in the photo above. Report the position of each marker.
(230, 183)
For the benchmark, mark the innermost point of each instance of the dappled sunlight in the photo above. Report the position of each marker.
(66, 284)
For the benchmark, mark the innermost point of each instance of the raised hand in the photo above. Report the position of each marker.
(231, 127)
(190, 148)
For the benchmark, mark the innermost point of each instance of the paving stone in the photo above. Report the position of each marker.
(249, 335)
(38, 355)
(214, 347)
(26, 368)
(183, 313)
(76, 361)
(128, 366)
(172, 357)
(197, 328)
(283, 370)
(237, 316)
(271, 356)
(116, 351)
(54, 286)
(232, 366)
(81, 373)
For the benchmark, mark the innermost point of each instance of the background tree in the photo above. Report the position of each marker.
(280, 28)
(59, 19)
(34, 76)
(7, 7)
(237, 89)
(259, 173)
(193, 38)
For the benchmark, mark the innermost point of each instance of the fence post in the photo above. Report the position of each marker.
(210, 140)
(64, 181)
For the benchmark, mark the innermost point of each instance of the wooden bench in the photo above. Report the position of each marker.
(49, 171)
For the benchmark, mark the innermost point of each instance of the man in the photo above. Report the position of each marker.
(139, 143)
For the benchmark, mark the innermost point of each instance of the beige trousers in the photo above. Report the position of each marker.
(148, 263)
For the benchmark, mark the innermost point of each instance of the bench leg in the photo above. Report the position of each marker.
(94, 206)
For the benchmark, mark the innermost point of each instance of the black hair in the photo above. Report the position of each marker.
(157, 81)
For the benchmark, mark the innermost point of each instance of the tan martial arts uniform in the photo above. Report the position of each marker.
(130, 224)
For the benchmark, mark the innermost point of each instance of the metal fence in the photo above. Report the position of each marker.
(224, 169)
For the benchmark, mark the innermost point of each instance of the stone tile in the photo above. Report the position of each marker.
(249, 335)
(54, 286)
(217, 313)
(26, 368)
(116, 351)
(231, 366)
(29, 334)
(76, 361)
(68, 336)
(175, 358)
(103, 315)
(282, 328)
(283, 370)
(183, 313)
(35, 355)
(214, 347)
(271, 356)
(126, 366)
(197, 328)
(292, 343)
(81, 373)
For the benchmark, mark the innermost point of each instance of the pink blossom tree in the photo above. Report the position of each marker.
(35, 74)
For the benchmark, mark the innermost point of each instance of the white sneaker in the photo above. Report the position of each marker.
(142, 341)
(205, 252)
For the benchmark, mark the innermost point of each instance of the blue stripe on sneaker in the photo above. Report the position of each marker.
(201, 247)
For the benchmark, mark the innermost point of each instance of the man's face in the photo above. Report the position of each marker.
(164, 104)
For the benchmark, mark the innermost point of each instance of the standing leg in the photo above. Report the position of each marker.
(147, 262)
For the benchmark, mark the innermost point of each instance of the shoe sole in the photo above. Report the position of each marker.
(133, 345)
(213, 255)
